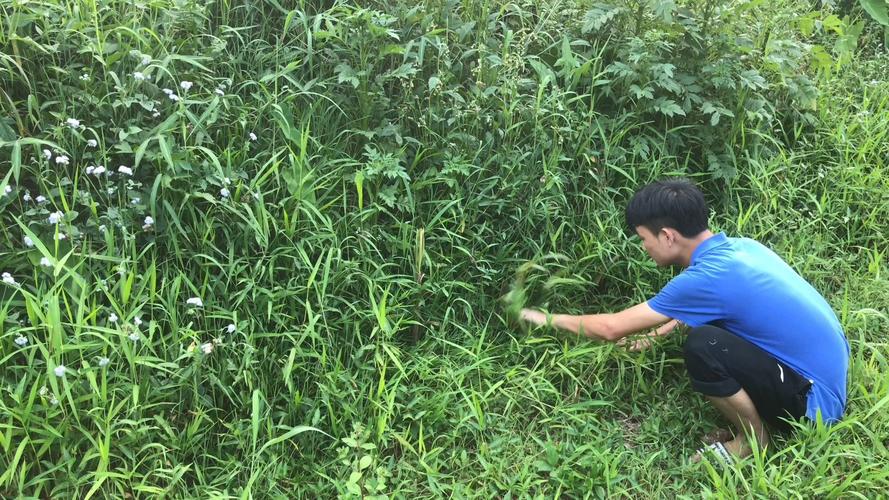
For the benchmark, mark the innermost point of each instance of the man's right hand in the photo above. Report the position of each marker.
(640, 344)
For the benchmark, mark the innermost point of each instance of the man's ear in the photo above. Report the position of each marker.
(670, 235)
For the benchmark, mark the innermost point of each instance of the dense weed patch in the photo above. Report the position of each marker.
(274, 249)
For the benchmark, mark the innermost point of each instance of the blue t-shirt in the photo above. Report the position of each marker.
(740, 285)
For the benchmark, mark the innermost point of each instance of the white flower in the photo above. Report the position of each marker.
(252, 136)
(27, 196)
(8, 279)
(125, 170)
(224, 192)
(207, 347)
(220, 92)
(231, 328)
(167, 91)
(102, 227)
(62, 160)
(99, 170)
(103, 361)
(40, 199)
(226, 181)
(146, 60)
(53, 400)
(90, 169)
(84, 77)
(47, 153)
(55, 217)
(174, 97)
(137, 321)
(7, 190)
(92, 143)
(73, 122)
(61, 236)
(136, 200)
(111, 190)
(155, 114)
(149, 220)
(195, 301)
(59, 371)
(185, 84)
(43, 391)
(134, 337)
(29, 242)
(138, 75)
(21, 341)
(44, 261)
(112, 318)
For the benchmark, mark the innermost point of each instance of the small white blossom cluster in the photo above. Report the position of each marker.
(173, 97)
(148, 224)
(96, 170)
(195, 301)
(8, 279)
(206, 347)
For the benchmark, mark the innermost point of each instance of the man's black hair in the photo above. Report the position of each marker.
(674, 203)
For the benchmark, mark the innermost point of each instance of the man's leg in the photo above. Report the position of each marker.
(741, 412)
(742, 381)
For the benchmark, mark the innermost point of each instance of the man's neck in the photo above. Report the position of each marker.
(692, 245)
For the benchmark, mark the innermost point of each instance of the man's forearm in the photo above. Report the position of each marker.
(591, 325)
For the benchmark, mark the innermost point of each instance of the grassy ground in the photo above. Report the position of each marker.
(300, 283)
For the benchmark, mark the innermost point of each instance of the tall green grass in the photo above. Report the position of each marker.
(357, 193)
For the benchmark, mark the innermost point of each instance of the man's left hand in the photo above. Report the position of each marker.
(534, 317)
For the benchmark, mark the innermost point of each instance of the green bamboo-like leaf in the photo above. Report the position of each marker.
(878, 10)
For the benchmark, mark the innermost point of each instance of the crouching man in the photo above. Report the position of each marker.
(763, 346)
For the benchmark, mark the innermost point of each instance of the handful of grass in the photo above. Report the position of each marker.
(532, 281)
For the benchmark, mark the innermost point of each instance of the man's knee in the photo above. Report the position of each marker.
(700, 342)
(705, 360)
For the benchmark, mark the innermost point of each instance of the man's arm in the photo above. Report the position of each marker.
(610, 327)
(646, 341)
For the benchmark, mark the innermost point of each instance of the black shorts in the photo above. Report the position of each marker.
(720, 364)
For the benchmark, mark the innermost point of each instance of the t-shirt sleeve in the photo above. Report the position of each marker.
(691, 298)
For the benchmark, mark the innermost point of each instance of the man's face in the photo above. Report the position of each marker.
(659, 246)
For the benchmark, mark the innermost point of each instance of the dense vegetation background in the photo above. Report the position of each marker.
(269, 248)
